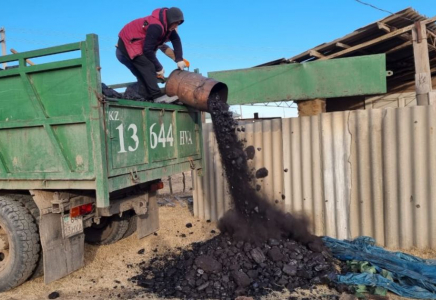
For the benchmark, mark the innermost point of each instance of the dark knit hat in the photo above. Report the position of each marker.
(174, 15)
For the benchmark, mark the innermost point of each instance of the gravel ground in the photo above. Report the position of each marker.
(108, 268)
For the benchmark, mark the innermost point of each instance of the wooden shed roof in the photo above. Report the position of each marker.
(392, 36)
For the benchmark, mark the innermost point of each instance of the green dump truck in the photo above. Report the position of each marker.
(76, 166)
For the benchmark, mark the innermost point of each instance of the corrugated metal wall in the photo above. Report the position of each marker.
(211, 198)
(366, 172)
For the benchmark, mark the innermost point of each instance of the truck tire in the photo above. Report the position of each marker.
(133, 218)
(31, 206)
(19, 243)
(27, 202)
(110, 230)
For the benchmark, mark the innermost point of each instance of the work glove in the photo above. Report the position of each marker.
(160, 73)
(182, 64)
(187, 63)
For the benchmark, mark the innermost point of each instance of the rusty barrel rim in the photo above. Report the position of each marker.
(193, 89)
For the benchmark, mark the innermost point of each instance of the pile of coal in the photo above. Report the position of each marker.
(222, 268)
(260, 249)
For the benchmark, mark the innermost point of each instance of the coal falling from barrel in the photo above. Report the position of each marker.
(260, 249)
(253, 219)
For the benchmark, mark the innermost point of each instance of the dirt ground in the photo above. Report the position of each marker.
(108, 268)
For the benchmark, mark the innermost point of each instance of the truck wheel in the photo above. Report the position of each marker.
(31, 206)
(110, 230)
(19, 243)
(27, 202)
(133, 218)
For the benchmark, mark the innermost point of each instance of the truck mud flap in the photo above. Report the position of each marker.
(148, 223)
(62, 256)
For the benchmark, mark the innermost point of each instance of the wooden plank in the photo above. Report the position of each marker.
(384, 27)
(399, 47)
(3, 43)
(342, 45)
(399, 81)
(322, 47)
(370, 43)
(27, 60)
(423, 84)
(378, 40)
(315, 53)
(408, 37)
(405, 37)
(431, 33)
(345, 46)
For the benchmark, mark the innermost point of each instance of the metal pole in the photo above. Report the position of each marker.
(3, 42)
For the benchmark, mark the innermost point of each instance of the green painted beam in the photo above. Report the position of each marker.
(363, 75)
(41, 52)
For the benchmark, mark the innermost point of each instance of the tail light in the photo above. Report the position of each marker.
(81, 210)
(156, 186)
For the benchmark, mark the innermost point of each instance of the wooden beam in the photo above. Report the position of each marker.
(431, 33)
(345, 46)
(316, 54)
(423, 82)
(384, 27)
(407, 37)
(27, 60)
(432, 97)
(400, 77)
(352, 35)
(377, 40)
(342, 45)
(399, 47)
(3, 44)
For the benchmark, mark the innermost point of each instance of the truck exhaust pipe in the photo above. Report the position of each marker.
(194, 90)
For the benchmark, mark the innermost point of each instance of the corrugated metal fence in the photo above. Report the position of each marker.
(366, 172)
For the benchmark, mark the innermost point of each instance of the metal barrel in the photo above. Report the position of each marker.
(193, 89)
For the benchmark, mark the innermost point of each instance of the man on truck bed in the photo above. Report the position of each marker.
(138, 42)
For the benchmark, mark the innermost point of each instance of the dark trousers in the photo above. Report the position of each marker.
(145, 72)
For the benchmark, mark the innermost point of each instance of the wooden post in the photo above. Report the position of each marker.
(3, 42)
(432, 97)
(170, 184)
(27, 60)
(184, 181)
(423, 84)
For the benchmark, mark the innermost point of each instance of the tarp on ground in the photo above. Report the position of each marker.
(413, 276)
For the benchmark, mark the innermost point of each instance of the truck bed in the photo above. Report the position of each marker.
(57, 130)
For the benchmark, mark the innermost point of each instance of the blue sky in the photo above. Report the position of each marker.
(216, 35)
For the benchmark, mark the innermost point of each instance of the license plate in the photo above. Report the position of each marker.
(72, 226)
